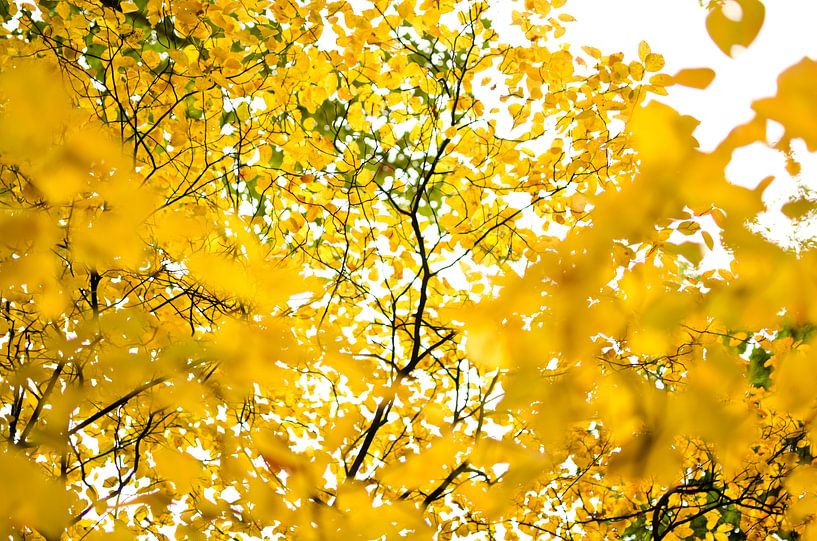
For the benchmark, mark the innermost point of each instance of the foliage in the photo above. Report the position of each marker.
(377, 270)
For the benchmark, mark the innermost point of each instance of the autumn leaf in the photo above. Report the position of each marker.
(728, 29)
(793, 105)
(699, 78)
(797, 209)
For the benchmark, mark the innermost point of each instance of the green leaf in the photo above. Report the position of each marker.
(759, 373)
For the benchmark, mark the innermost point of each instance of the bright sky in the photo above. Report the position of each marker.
(676, 29)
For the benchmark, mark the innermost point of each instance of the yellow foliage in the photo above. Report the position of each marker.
(32, 501)
(409, 281)
(792, 105)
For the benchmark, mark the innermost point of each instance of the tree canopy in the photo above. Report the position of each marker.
(378, 270)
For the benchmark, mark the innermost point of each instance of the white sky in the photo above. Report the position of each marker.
(676, 29)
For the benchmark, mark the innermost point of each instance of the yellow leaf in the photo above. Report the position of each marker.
(797, 209)
(636, 70)
(795, 387)
(592, 52)
(356, 117)
(151, 59)
(643, 51)
(662, 136)
(63, 9)
(694, 77)
(661, 80)
(689, 250)
(177, 466)
(794, 105)
(654, 62)
(710, 243)
(727, 33)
